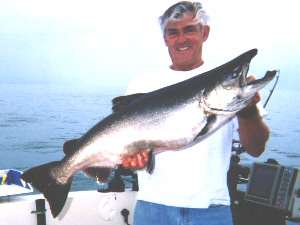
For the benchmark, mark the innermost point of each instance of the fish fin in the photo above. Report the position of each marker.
(70, 146)
(100, 173)
(151, 163)
(121, 102)
(209, 121)
(56, 194)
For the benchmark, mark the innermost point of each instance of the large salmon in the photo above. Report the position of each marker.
(170, 118)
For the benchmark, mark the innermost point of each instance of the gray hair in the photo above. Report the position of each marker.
(178, 10)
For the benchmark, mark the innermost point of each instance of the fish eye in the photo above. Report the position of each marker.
(231, 79)
(234, 75)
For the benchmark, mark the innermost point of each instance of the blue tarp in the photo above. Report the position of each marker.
(13, 177)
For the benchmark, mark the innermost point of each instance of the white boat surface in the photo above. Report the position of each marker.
(81, 208)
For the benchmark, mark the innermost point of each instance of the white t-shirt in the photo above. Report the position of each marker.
(195, 177)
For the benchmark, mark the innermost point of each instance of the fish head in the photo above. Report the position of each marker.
(232, 90)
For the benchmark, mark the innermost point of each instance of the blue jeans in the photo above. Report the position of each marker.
(147, 213)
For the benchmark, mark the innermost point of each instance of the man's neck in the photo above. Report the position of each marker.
(186, 68)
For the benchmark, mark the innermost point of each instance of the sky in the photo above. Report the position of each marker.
(107, 43)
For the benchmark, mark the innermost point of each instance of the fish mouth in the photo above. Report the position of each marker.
(240, 98)
(268, 77)
(257, 84)
(249, 90)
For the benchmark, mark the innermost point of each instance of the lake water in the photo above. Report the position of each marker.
(35, 121)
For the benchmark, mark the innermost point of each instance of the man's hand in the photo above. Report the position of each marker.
(253, 132)
(137, 161)
(251, 109)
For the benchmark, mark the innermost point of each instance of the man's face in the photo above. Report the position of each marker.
(184, 39)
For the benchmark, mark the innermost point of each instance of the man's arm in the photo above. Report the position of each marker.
(253, 132)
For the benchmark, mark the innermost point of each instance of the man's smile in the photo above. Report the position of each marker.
(182, 48)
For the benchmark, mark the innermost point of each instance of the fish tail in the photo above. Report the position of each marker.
(43, 180)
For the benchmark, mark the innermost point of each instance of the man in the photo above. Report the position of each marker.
(190, 186)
